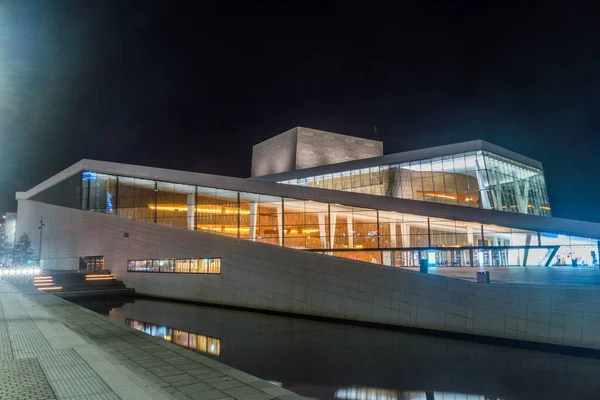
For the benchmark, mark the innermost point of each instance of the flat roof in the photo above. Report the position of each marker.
(396, 158)
(383, 203)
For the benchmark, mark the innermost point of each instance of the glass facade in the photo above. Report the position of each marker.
(377, 236)
(173, 265)
(475, 179)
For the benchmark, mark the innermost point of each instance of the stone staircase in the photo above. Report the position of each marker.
(68, 285)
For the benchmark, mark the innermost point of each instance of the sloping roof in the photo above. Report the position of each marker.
(384, 203)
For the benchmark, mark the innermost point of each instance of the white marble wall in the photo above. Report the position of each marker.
(301, 148)
(316, 148)
(269, 277)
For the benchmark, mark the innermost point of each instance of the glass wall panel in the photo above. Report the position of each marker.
(306, 224)
(311, 225)
(473, 179)
(68, 193)
(137, 199)
(270, 220)
(175, 205)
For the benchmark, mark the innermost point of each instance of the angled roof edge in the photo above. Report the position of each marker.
(434, 210)
(395, 158)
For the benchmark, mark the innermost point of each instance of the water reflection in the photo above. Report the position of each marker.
(332, 361)
(358, 393)
(192, 341)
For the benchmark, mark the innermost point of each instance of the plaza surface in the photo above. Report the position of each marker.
(53, 349)
(588, 276)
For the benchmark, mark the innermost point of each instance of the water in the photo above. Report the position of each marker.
(331, 361)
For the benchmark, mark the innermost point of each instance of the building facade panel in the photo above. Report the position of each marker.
(260, 276)
(301, 148)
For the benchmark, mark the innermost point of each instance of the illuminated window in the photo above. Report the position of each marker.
(182, 266)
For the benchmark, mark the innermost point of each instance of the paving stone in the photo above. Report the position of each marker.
(208, 395)
(241, 391)
(229, 384)
(24, 379)
(62, 373)
(194, 388)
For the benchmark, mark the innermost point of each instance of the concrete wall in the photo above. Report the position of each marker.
(315, 148)
(270, 277)
(277, 154)
(301, 148)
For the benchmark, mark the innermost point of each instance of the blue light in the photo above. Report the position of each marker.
(88, 176)
(109, 205)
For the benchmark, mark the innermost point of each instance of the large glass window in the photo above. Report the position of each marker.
(184, 265)
(385, 237)
(67, 193)
(473, 179)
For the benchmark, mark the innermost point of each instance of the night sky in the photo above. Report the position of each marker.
(192, 86)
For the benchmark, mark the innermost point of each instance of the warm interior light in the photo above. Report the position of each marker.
(310, 230)
(51, 288)
(44, 283)
(184, 208)
(97, 276)
(221, 229)
(358, 246)
(100, 279)
(458, 196)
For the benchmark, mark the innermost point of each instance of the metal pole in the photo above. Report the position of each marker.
(41, 228)
(428, 233)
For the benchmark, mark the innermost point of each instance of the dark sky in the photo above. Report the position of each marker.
(192, 86)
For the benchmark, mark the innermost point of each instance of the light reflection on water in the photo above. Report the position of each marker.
(192, 341)
(358, 393)
(331, 361)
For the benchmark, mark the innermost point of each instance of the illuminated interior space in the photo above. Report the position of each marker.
(373, 235)
(478, 179)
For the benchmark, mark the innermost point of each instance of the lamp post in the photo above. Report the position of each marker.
(41, 228)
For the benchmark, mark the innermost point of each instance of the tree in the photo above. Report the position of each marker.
(5, 249)
(22, 251)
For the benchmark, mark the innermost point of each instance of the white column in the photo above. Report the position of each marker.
(387, 258)
(470, 235)
(405, 232)
(522, 197)
(388, 255)
(350, 232)
(482, 182)
(253, 216)
(191, 208)
(333, 217)
(322, 232)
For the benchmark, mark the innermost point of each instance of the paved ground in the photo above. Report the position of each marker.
(97, 359)
(533, 275)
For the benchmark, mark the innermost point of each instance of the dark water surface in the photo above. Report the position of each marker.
(331, 361)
